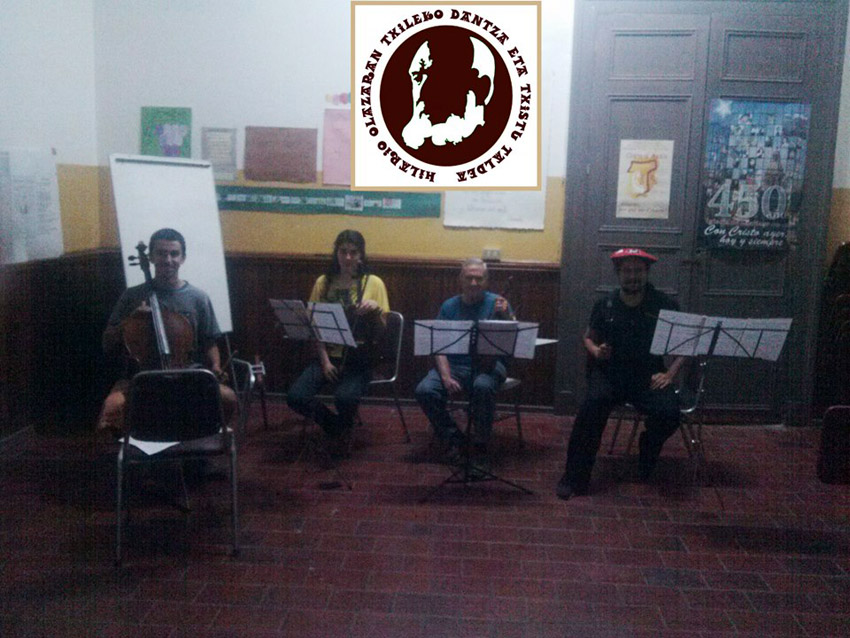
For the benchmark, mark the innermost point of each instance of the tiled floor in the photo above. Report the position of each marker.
(766, 553)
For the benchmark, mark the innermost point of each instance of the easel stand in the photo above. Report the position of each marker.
(481, 341)
(682, 334)
(316, 323)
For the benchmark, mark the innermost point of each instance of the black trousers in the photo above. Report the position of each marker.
(661, 408)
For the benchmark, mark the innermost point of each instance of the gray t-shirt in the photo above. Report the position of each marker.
(189, 301)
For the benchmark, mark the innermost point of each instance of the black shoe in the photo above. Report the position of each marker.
(566, 490)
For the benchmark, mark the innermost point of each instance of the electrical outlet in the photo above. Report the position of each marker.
(491, 254)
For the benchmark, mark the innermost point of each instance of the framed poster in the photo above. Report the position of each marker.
(644, 177)
(755, 159)
(166, 131)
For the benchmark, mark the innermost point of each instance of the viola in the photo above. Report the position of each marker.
(158, 338)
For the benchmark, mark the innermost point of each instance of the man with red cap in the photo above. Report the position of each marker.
(622, 370)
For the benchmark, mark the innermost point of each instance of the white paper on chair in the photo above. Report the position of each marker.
(432, 336)
(507, 338)
(682, 334)
(151, 447)
(752, 338)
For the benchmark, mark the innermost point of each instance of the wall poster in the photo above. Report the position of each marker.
(166, 131)
(755, 159)
(645, 173)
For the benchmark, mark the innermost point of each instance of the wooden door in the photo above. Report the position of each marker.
(652, 71)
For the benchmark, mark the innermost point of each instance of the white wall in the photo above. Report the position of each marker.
(258, 63)
(841, 176)
(47, 82)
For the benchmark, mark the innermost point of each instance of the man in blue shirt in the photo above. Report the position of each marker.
(453, 373)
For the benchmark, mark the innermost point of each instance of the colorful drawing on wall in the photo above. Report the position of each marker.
(755, 159)
(166, 131)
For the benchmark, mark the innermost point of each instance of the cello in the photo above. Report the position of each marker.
(157, 338)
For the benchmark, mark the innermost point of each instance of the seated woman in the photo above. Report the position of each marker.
(347, 281)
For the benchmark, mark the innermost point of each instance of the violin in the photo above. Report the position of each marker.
(367, 330)
(160, 338)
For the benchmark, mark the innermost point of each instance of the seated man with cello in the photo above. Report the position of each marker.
(188, 316)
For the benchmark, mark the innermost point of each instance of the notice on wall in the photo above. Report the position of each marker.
(514, 209)
(280, 154)
(644, 176)
(166, 131)
(30, 224)
(218, 147)
(755, 160)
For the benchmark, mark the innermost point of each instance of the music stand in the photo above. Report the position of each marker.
(703, 337)
(317, 322)
(475, 338)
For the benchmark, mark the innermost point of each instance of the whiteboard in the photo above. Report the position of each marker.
(157, 192)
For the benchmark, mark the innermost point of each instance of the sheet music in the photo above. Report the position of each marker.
(754, 338)
(774, 333)
(432, 336)
(682, 334)
(507, 338)
(331, 324)
(292, 315)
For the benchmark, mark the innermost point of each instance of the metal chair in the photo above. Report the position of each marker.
(248, 379)
(173, 416)
(388, 360)
(690, 393)
(512, 387)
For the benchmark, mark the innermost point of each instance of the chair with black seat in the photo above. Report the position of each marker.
(690, 390)
(174, 416)
(386, 363)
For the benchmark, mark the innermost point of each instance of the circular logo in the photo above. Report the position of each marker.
(446, 96)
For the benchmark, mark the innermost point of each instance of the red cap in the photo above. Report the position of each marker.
(625, 253)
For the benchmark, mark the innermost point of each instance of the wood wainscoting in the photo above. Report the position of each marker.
(52, 314)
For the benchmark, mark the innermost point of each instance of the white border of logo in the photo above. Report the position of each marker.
(378, 29)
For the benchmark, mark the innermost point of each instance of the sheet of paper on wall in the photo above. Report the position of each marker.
(218, 147)
(166, 131)
(280, 154)
(336, 147)
(496, 209)
(644, 177)
(30, 223)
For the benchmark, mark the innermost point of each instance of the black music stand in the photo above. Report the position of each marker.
(690, 335)
(475, 338)
(316, 323)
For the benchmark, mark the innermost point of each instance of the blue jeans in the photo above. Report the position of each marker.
(432, 396)
(352, 384)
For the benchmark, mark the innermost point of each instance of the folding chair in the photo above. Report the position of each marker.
(385, 370)
(690, 393)
(173, 416)
(248, 379)
(511, 387)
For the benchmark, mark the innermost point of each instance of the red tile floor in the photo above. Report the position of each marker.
(766, 553)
